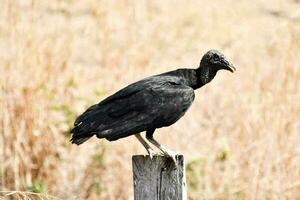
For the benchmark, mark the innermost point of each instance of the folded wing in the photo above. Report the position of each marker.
(150, 103)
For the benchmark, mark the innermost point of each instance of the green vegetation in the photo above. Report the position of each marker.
(67, 111)
(37, 187)
(195, 171)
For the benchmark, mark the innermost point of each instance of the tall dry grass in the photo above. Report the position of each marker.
(240, 138)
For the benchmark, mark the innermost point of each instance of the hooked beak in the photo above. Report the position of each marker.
(231, 68)
(228, 66)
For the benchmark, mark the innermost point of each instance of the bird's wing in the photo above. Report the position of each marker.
(124, 93)
(150, 103)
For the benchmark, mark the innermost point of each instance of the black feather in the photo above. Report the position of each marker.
(148, 104)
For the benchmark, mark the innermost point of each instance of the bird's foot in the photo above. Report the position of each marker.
(171, 154)
(151, 153)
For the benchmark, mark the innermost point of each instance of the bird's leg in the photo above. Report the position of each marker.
(150, 151)
(165, 151)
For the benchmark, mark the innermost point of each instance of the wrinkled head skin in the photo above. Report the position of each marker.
(218, 61)
(211, 63)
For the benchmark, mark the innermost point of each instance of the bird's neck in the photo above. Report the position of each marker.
(205, 73)
(191, 77)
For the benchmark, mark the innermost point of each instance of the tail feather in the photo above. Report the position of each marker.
(79, 136)
(79, 140)
(106, 123)
(85, 126)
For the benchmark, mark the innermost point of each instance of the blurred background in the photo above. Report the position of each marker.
(241, 135)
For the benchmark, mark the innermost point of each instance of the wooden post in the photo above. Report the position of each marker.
(158, 178)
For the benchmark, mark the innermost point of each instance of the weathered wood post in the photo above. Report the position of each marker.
(158, 178)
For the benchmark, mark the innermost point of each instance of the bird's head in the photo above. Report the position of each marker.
(211, 63)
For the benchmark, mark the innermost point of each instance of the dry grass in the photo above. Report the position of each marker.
(241, 136)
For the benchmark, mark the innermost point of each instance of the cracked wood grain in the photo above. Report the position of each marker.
(158, 178)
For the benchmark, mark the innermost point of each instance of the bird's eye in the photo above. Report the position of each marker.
(215, 57)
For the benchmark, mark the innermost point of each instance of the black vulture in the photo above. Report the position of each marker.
(151, 103)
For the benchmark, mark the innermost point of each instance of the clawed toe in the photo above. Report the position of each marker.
(172, 155)
(151, 153)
